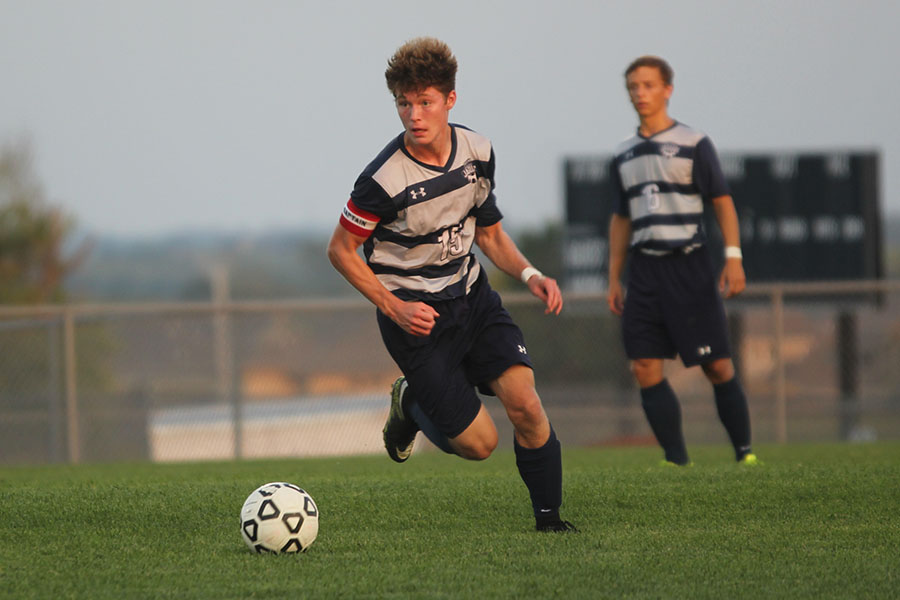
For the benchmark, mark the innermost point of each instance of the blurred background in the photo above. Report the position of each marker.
(170, 173)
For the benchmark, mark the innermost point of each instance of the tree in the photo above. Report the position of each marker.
(34, 263)
(32, 234)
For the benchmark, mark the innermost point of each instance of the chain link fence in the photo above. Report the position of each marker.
(212, 381)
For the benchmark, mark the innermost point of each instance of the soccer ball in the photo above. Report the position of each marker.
(279, 517)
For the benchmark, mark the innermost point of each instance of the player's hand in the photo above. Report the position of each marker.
(732, 281)
(615, 297)
(547, 290)
(416, 318)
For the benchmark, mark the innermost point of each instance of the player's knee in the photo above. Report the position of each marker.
(479, 450)
(527, 412)
(478, 441)
(479, 453)
(719, 371)
(638, 369)
(646, 372)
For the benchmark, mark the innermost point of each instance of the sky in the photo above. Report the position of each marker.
(147, 118)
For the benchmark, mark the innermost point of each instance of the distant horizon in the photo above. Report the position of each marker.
(323, 233)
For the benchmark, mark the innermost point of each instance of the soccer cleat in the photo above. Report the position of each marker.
(750, 460)
(558, 525)
(669, 463)
(399, 430)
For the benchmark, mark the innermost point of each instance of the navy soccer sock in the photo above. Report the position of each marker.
(664, 415)
(734, 414)
(541, 470)
(437, 438)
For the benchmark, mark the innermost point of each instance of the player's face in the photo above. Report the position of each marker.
(648, 92)
(425, 114)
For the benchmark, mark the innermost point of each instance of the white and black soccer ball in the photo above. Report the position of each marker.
(279, 517)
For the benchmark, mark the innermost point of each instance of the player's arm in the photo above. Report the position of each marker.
(416, 318)
(710, 180)
(732, 281)
(619, 236)
(503, 252)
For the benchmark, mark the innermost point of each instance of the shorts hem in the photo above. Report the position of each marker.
(705, 359)
(671, 356)
(454, 434)
(483, 387)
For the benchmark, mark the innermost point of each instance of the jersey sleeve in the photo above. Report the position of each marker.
(367, 206)
(488, 213)
(708, 176)
(620, 201)
(357, 221)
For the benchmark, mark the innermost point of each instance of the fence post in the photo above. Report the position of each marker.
(227, 376)
(778, 355)
(56, 451)
(73, 436)
(848, 373)
(237, 403)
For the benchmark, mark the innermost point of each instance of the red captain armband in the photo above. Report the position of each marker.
(357, 221)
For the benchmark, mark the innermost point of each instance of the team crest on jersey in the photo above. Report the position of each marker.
(669, 150)
(470, 172)
(650, 192)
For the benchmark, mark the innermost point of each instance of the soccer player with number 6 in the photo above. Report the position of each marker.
(417, 209)
(664, 174)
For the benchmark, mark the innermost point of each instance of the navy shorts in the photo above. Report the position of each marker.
(673, 306)
(473, 342)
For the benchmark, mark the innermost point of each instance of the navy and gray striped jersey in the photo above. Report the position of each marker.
(419, 220)
(663, 181)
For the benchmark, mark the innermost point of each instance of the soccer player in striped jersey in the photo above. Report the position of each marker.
(417, 209)
(664, 174)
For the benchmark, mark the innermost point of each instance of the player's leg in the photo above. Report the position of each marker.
(516, 391)
(498, 362)
(700, 330)
(406, 416)
(478, 440)
(719, 371)
(647, 343)
(538, 451)
(443, 404)
(428, 428)
(731, 404)
(436, 396)
(661, 408)
(647, 371)
(405, 419)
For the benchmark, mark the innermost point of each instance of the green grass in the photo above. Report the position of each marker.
(815, 521)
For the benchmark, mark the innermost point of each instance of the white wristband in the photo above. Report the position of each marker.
(527, 274)
(733, 252)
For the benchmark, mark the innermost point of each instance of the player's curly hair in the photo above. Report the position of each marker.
(420, 63)
(668, 75)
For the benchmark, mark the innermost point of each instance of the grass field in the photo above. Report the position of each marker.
(815, 521)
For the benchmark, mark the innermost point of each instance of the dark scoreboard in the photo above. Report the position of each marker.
(803, 216)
